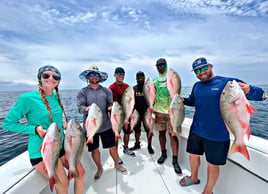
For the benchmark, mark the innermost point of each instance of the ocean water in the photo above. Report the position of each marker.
(13, 144)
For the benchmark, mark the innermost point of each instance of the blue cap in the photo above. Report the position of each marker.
(47, 68)
(200, 62)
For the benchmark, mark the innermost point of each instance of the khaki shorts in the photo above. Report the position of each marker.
(162, 122)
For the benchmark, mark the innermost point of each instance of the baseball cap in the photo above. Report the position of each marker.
(200, 62)
(119, 70)
(140, 73)
(161, 61)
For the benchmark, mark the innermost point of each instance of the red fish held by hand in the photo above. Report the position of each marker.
(236, 112)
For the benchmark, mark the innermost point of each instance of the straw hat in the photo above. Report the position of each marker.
(93, 68)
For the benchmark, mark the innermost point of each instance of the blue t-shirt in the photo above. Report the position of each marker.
(205, 97)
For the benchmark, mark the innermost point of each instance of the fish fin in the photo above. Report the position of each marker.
(251, 108)
(41, 147)
(242, 148)
(248, 132)
(229, 130)
(87, 123)
(73, 174)
(45, 169)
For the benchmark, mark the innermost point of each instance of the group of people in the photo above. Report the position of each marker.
(208, 133)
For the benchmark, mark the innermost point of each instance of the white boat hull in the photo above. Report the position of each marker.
(145, 175)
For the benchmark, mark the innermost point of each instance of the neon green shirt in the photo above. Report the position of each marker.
(32, 106)
(162, 100)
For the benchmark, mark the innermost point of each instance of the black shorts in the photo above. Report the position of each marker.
(35, 161)
(216, 152)
(107, 139)
(137, 128)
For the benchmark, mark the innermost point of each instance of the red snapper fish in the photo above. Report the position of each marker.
(176, 114)
(117, 119)
(93, 122)
(74, 144)
(149, 121)
(134, 118)
(173, 83)
(127, 102)
(50, 151)
(236, 112)
(149, 93)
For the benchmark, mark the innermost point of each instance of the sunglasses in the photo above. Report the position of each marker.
(47, 75)
(161, 66)
(94, 74)
(197, 71)
(140, 78)
(120, 73)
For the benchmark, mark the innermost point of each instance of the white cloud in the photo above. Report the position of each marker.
(72, 35)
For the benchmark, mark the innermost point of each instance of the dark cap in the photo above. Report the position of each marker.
(119, 70)
(200, 62)
(161, 61)
(139, 74)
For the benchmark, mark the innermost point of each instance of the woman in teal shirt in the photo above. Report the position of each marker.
(41, 108)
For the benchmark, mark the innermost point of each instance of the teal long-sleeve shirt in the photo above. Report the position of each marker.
(32, 106)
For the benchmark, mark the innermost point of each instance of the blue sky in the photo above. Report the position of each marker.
(72, 35)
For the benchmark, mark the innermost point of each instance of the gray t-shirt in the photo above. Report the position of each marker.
(101, 96)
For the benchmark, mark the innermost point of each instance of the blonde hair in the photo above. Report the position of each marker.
(43, 96)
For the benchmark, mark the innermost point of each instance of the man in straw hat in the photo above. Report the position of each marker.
(103, 97)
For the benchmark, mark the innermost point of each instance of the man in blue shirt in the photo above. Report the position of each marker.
(208, 133)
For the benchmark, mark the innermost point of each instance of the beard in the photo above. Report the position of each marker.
(206, 76)
(94, 81)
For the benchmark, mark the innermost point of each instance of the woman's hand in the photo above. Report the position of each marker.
(40, 131)
(64, 125)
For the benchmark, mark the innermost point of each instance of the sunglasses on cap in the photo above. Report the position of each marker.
(94, 74)
(47, 75)
(120, 73)
(161, 66)
(204, 68)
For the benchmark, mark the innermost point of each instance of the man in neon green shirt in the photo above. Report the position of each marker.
(162, 121)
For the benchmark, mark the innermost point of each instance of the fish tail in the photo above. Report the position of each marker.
(52, 182)
(173, 134)
(125, 124)
(151, 134)
(151, 110)
(72, 174)
(242, 148)
(117, 136)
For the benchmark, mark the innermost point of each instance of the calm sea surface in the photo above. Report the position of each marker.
(13, 144)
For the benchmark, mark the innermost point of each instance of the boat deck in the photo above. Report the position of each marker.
(145, 175)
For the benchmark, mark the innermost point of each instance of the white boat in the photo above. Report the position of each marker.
(146, 176)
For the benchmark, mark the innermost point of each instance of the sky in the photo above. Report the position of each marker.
(72, 35)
